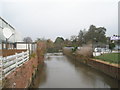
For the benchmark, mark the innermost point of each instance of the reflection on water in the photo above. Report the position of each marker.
(62, 72)
(40, 77)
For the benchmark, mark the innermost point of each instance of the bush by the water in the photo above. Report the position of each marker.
(86, 51)
(74, 49)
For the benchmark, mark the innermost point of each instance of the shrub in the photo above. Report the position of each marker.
(74, 49)
(85, 51)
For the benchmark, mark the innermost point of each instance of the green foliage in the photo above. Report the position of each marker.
(95, 33)
(59, 40)
(56, 46)
(74, 49)
(111, 46)
(81, 37)
(52, 50)
(74, 41)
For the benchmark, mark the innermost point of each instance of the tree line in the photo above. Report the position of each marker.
(94, 35)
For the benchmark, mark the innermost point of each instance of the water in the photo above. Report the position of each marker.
(62, 72)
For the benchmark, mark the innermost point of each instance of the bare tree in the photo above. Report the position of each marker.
(27, 39)
(73, 37)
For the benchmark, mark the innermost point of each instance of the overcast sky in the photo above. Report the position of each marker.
(52, 18)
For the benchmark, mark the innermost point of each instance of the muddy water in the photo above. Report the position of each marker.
(62, 72)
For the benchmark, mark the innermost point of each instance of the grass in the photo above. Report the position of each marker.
(110, 57)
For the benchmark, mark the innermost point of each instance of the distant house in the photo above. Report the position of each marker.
(116, 38)
(28, 46)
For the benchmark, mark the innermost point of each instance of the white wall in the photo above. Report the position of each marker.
(21, 46)
(26, 46)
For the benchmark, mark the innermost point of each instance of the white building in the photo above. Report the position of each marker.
(4, 24)
(14, 38)
(15, 41)
(29, 46)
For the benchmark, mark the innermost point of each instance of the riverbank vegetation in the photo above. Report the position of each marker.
(94, 36)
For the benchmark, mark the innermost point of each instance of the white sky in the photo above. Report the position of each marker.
(52, 18)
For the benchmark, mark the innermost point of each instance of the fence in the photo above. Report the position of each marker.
(10, 63)
(11, 52)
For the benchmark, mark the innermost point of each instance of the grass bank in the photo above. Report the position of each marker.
(110, 57)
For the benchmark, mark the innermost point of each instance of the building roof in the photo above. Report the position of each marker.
(7, 23)
(15, 38)
(2, 38)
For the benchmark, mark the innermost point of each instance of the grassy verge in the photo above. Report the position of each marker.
(110, 57)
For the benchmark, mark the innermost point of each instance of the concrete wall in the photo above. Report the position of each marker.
(32, 47)
(22, 46)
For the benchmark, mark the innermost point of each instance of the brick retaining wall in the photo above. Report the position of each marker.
(107, 68)
(22, 76)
